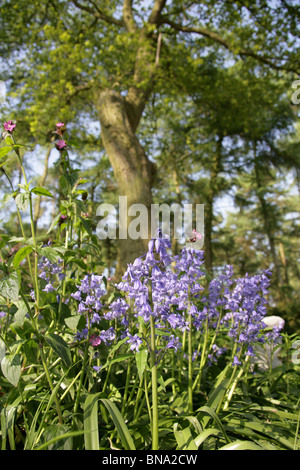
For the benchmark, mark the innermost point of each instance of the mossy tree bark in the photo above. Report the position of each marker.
(119, 118)
(132, 169)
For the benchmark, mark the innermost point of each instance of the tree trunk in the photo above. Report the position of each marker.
(133, 171)
(268, 223)
(119, 119)
(209, 212)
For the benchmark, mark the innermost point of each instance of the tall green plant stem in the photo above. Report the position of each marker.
(182, 355)
(197, 381)
(235, 382)
(35, 254)
(206, 350)
(190, 364)
(154, 386)
(59, 413)
(84, 363)
(44, 362)
(153, 364)
(63, 282)
(126, 387)
(21, 224)
(35, 277)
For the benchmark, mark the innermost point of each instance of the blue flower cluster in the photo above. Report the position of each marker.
(246, 309)
(160, 286)
(170, 290)
(89, 295)
(50, 272)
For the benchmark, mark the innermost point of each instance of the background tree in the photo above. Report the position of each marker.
(81, 61)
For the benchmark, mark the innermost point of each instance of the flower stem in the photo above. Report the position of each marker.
(190, 365)
(235, 382)
(126, 387)
(50, 384)
(35, 254)
(154, 387)
(197, 381)
(84, 363)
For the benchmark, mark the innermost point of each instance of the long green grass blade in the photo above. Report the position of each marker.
(65, 436)
(90, 422)
(205, 434)
(119, 422)
(271, 431)
(242, 445)
(184, 438)
(209, 411)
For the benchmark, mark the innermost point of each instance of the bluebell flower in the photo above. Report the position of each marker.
(135, 342)
(174, 343)
(236, 361)
(48, 288)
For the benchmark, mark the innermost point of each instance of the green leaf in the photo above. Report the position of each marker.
(90, 422)
(10, 286)
(161, 382)
(205, 434)
(206, 410)
(9, 140)
(31, 350)
(120, 358)
(50, 254)
(271, 430)
(2, 163)
(11, 368)
(2, 349)
(72, 322)
(242, 445)
(58, 344)
(8, 415)
(53, 223)
(58, 437)
(79, 262)
(4, 151)
(21, 254)
(41, 191)
(23, 331)
(119, 422)
(22, 201)
(141, 361)
(86, 225)
(184, 438)
(21, 313)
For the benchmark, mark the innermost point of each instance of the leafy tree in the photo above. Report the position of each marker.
(80, 61)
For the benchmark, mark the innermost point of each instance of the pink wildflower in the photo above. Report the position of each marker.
(60, 144)
(59, 125)
(9, 126)
(95, 340)
(195, 236)
(198, 235)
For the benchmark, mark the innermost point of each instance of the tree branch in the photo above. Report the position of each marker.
(97, 13)
(218, 39)
(128, 16)
(156, 11)
(79, 89)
